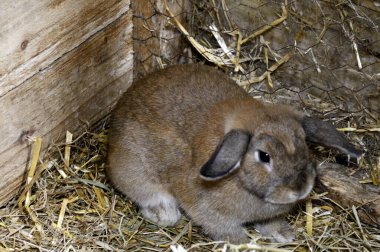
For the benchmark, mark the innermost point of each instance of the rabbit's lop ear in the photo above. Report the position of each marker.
(324, 133)
(227, 156)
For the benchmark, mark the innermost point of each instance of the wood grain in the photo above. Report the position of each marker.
(346, 190)
(34, 34)
(63, 65)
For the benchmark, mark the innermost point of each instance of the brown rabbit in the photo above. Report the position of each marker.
(188, 137)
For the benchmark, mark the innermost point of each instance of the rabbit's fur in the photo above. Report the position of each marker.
(188, 137)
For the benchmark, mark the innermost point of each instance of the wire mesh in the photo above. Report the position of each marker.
(321, 57)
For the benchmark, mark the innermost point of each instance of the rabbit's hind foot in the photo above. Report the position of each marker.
(161, 209)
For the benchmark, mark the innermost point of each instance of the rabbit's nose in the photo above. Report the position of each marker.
(295, 190)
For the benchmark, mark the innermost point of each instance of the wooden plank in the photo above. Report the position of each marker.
(346, 190)
(76, 69)
(34, 34)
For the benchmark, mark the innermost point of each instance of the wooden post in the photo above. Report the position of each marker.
(156, 42)
(63, 65)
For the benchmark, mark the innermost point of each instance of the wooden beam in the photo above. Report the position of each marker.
(347, 191)
(76, 63)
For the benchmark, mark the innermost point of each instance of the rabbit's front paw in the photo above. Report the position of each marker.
(276, 230)
(162, 210)
(234, 234)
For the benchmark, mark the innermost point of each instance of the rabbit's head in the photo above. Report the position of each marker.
(269, 156)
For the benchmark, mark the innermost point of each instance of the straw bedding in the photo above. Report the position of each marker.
(73, 208)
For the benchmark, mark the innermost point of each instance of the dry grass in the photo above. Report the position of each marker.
(71, 207)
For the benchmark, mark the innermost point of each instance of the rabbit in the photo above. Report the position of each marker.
(188, 137)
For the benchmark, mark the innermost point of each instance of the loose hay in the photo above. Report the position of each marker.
(68, 205)
(81, 212)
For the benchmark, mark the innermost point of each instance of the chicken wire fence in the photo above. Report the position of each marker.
(321, 57)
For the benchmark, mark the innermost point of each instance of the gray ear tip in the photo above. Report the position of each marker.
(324, 133)
(207, 177)
(355, 152)
(206, 172)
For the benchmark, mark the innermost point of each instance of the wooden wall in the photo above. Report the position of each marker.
(63, 64)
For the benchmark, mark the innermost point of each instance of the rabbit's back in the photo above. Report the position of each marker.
(179, 96)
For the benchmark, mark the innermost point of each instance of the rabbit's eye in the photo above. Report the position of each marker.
(262, 156)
